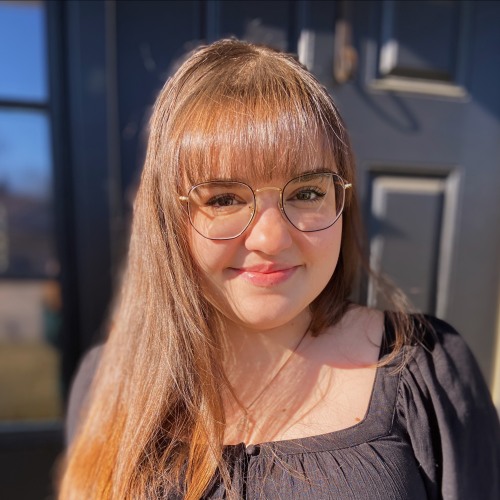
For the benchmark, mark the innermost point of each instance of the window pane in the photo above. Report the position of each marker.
(26, 213)
(30, 297)
(23, 51)
(29, 359)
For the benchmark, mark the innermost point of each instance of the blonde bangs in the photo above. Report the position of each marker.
(256, 128)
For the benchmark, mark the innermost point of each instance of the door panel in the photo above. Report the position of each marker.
(409, 211)
(422, 41)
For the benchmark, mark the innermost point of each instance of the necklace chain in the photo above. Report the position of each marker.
(244, 421)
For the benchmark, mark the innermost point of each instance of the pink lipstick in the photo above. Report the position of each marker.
(266, 275)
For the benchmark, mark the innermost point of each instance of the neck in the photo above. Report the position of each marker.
(253, 354)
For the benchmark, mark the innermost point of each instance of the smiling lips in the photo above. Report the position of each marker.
(266, 275)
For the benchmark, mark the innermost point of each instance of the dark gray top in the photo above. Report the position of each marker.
(431, 431)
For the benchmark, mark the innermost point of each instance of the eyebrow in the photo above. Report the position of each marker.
(305, 176)
(300, 176)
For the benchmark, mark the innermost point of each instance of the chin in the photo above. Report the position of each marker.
(268, 318)
(263, 310)
(261, 326)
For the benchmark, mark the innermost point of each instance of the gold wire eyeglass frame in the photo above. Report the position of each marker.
(343, 183)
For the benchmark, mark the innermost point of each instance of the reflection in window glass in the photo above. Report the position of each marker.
(26, 212)
(29, 358)
(23, 51)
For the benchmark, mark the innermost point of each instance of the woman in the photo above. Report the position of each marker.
(237, 365)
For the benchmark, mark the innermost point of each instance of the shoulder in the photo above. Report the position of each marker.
(439, 354)
(427, 338)
(434, 332)
(80, 389)
(446, 408)
(438, 347)
(443, 377)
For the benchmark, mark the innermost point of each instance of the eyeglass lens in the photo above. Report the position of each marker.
(224, 209)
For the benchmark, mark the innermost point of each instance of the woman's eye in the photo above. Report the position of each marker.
(223, 200)
(308, 194)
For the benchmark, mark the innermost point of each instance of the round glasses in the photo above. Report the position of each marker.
(222, 210)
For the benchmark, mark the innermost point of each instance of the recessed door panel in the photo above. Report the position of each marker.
(413, 218)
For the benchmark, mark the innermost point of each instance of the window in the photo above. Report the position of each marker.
(30, 297)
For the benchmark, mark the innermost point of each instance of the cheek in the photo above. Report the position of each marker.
(198, 249)
(202, 252)
(210, 256)
(334, 242)
(330, 254)
(324, 247)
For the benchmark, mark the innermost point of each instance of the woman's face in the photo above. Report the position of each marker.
(267, 277)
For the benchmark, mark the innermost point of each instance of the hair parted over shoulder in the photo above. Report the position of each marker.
(154, 423)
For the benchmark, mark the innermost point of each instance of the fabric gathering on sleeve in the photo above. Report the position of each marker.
(447, 411)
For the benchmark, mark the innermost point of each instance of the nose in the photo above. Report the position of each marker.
(269, 232)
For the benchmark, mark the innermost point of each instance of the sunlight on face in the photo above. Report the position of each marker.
(269, 275)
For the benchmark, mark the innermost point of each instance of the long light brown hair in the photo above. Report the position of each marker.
(155, 420)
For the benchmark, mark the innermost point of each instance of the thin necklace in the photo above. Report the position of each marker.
(244, 421)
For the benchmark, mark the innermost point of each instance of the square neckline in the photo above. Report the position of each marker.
(376, 423)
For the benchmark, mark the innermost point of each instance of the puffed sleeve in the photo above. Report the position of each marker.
(453, 426)
(80, 390)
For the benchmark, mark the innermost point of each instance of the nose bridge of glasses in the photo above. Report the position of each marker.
(269, 188)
